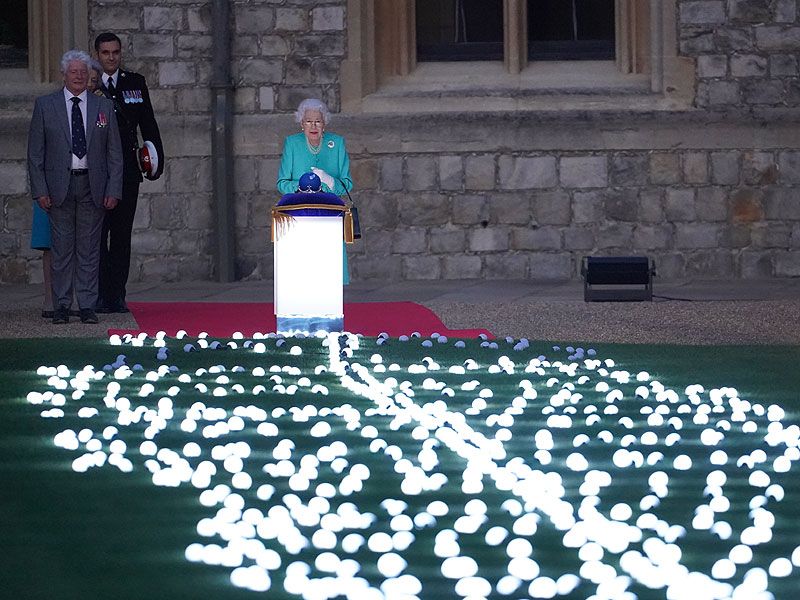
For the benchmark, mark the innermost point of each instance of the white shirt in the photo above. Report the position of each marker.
(113, 77)
(77, 163)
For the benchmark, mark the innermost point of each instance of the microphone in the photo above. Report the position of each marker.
(353, 212)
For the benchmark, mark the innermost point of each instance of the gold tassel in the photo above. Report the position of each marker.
(348, 227)
(280, 222)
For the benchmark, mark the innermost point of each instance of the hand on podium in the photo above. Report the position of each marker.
(324, 177)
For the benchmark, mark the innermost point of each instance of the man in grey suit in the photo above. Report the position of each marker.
(75, 168)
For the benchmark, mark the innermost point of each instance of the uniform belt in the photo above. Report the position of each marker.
(80, 171)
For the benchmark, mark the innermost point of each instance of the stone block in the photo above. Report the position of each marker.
(18, 213)
(748, 65)
(298, 69)
(451, 172)
(176, 73)
(258, 71)
(710, 264)
(268, 174)
(696, 235)
(194, 46)
(670, 266)
(291, 19)
(274, 45)
(159, 269)
(448, 241)
(787, 264)
(320, 45)
(115, 18)
(505, 266)
(490, 239)
(410, 240)
(711, 204)
(579, 238)
(712, 65)
(199, 18)
(14, 270)
(266, 98)
(697, 41)
(651, 206)
(510, 209)
(747, 205)
(783, 65)
(14, 178)
(695, 167)
(244, 45)
(652, 237)
(163, 101)
(161, 18)
(150, 242)
(155, 45)
(665, 168)
(470, 210)
(782, 204)
(621, 204)
(552, 208)
(424, 209)
(763, 91)
(254, 19)
(289, 96)
(735, 236)
(325, 70)
(679, 204)
(628, 170)
(9, 244)
(614, 235)
(725, 168)
(527, 172)
(244, 100)
(461, 267)
(755, 264)
(391, 169)
(479, 172)
(789, 166)
(584, 171)
(370, 267)
(785, 11)
(365, 173)
(588, 207)
(420, 173)
(545, 266)
(422, 267)
(187, 243)
(194, 99)
(723, 93)
(771, 235)
(702, 12)
(325, 18)
(199, 209)
(778, 37)
(759, 168)
(141, 219)
(244, 174)
(188, 175)
(195, 268)
(544, 238)
(750, 11)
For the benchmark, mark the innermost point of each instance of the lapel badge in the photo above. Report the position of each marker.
(331, 144)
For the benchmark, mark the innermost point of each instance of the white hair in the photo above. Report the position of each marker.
(312, 104)
(72, 55)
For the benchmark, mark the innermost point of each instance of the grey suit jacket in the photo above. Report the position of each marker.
(50, 148)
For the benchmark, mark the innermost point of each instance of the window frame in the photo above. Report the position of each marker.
(646, 49)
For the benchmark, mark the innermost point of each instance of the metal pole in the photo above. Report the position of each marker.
(221, 145)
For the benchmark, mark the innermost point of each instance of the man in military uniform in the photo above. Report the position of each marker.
(134, 112)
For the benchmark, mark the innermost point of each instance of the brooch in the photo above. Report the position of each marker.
(101, 120)
(331, 144)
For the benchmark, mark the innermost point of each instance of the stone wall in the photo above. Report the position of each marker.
(709, 192)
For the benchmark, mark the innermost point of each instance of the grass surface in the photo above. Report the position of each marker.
(106, 533)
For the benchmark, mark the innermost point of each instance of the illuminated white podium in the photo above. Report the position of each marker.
(307, 233)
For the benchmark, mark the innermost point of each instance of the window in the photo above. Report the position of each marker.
(14, 34)
(512, 53)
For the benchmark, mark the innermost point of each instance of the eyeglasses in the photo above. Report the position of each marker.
(312, 123)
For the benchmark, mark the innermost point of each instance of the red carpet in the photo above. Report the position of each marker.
(222, 319)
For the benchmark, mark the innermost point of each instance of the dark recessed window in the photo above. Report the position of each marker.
(459, 30)
(14, 34)
(571, 29)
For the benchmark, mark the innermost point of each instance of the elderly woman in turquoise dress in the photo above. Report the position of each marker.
(318, 151)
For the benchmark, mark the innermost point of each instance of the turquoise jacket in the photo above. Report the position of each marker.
(298, 159)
